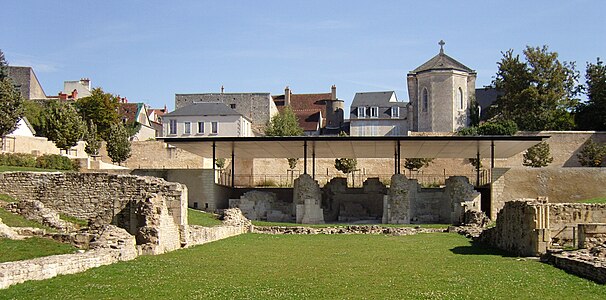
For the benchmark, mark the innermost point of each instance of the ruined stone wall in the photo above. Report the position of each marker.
(516, 230)
(564, 219)
(115, 245)
(560, 185)
(198, 235)
(150, 208)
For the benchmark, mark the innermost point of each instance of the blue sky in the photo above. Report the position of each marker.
(149, 50)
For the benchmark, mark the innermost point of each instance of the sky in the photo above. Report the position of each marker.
(148, 51)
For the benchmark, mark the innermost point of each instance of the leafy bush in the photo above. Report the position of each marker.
(17, 160)
(592, 154)
(57, 162)
(538, 156)
(491, 128)
(414, 164)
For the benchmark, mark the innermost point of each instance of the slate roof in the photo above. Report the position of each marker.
(376, 99)
(203, 109)
(442, 62)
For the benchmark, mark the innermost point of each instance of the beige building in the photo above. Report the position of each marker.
(201, 119)
(440, 92)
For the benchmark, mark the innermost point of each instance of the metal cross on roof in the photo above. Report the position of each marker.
(441, 43)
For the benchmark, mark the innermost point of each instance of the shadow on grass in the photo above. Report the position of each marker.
(477, 248)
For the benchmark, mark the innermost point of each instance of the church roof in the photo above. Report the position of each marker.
(442, 62)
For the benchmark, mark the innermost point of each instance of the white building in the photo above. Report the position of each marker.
(205, 119)
(378, 114)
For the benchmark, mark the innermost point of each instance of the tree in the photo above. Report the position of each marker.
(491, 128)
(345, 165)
(220, 163)
(101, 108)
(3, 66)
(63, 125)
(539, 93)
(284, 124)
(11, 102)
(415, 164)
(592, 154)
(34, 112)
(118, 143)
(538, 156)
(92, 139)
(592, 115)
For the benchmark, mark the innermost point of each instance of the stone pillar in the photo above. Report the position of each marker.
(462, 197)
(396, 204)
(307, 200)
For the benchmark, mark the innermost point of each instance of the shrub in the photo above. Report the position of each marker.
(17, 160)
(538, 156)
(414, 164)
(592, 154)
(57, 162)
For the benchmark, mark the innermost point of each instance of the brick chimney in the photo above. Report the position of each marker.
(333, 92)
(287, 96)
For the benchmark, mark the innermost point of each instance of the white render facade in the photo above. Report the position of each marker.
(378, 114)
(198, 126)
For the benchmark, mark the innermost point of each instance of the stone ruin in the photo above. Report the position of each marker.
(404, 202)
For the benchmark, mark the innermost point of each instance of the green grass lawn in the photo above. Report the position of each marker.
(256, 266)
(198, 217)
(595, 200)
(14, 220)
(13, 250)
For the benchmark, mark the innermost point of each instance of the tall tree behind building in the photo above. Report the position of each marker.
(11, 102)
(538, 93)
(592, 115)
(101, 108)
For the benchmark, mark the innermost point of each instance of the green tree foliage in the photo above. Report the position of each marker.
(11, 102)
(345, 165)
(284, 124)
(292, 163)
(63, 125)
(101, 108)
(92, 139)
(34, 112)
(118, 143)
(592, 115)
(538, 93)
(415, 164)
(3, 66)
(220, 163)
(592, 154)
(11, 106)
(491, 128)
(538, 156)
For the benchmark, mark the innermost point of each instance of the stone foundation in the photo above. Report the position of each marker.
(114, 245)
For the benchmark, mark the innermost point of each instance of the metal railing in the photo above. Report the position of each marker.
(354, 179)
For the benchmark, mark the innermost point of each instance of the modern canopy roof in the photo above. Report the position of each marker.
(356, 146)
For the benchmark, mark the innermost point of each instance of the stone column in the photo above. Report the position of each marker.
(396, 204)
(307, 200)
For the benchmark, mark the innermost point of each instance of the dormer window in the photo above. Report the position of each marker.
(361, 112)
(395, 112)
(374, 112)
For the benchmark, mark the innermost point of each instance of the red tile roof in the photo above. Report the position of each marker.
(128, 112)
(307, 108)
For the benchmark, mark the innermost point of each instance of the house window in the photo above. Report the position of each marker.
(187, 129)
(425, 99)
(395, 112)
(214, 127)
(361, 112)
(172, 128)
(461, 99)
(201, 127)
(233, 106)
(374, 112)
